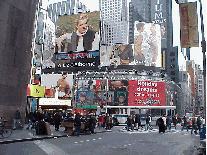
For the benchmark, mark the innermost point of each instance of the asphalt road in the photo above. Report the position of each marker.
(118, 141)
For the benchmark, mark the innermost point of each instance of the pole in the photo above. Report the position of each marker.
(203, 43)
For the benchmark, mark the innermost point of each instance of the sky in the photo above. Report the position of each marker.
(196, 52)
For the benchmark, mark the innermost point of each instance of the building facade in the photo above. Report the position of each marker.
(16, 29)
(114, 22)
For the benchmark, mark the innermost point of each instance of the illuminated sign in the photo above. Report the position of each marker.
(37, 91)
(81, 61)
(53, 101)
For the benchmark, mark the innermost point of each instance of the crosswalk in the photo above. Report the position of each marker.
(172, 131)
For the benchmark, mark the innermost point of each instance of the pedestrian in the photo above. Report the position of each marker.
(57, 119)
(161, 125)
(168, 122)
(174, 120)
(185, 123)
(193, 125)
(139, 122)
(107, 122)
(31, 120)
(17, 117)
(47, 117)
(77, 125)
(165, 122)
(136, 122)
(150, 120)
(199, 123)
(92, 123)
(130, 123)
(147, 122)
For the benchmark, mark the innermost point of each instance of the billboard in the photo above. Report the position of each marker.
(189, 25)
(92, 85)
(116, 55)
(78, 32)
(37, 91)
(77, 61)
(159, 16)
(147, 44)
(63, 83)
(143, 93)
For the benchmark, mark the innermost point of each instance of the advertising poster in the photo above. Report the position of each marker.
(98, 98)
(63, 83)
(121, 98)
(189, 25)
(159, 16)
(147, 44)
(116, 55)
(83, 98)
(118, 85)
(78, 32)
(146, 93)
(78, 61)
(86, 85)
(101, 85)
(92, 85)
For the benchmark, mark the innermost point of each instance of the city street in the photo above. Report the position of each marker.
(118, 141)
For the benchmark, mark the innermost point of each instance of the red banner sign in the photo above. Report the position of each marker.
(143, 93)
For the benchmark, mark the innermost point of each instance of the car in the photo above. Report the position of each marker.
(189, 122)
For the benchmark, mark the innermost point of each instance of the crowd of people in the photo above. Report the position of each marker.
(56, 118)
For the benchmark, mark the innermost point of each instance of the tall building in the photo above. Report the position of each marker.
(186, 97)
(16, 29)
(114, 21)
(64, 8)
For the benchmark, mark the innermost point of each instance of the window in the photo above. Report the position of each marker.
(172, 66)
(172, 53)
(172, 73)
(172, 60)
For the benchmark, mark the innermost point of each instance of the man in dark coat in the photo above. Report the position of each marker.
(130, 123)
(57, 119)
(199, 123)
(17, 117)
(147, 122)
(77, 124)
(185, 123)
(193, 125)
(31, 120)
(174, 120)
(168, 122)
(161, 125)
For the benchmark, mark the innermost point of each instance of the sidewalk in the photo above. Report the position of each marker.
(30, 134)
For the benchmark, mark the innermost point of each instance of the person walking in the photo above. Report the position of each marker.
(17, 117)
(47, 117)
(57, 119)
(136, 126)
(150, 120)
(199, 123)
(193, 125)
(77, 125)
(161, 125)
(185, 123)
(147, 122)
(31, 120)
(168, 122)
(174, 120)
